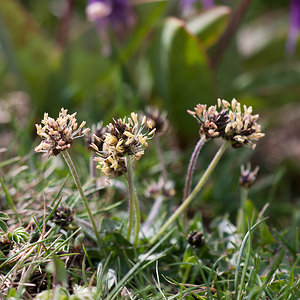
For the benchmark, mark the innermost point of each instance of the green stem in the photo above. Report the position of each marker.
(130, 216)
(193, 194)
(244, 196)
(73, 171)
(133, 201)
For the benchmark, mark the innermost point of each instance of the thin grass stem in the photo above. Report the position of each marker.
(133, 201)
(193, 194)
(73, 171)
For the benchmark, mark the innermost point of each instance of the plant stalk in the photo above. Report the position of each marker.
(133, 202)
(190, 172)
(73, 171)
(244, 196)
(193, 194)
(191, 167)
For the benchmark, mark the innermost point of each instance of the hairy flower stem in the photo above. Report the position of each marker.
(73, 171)
(190, 172)
(244, 196)
(193, 194)
(133, 202)
(191, 167)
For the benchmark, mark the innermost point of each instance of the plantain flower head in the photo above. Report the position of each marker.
(212, 123)
(229, 121)
(241, 127)
(158, 120)
(96, 136)
(123, 138)
(58, 135)
(248, 177)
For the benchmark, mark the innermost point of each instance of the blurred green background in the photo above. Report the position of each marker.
(51, 56)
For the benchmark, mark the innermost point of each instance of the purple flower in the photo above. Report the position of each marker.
(291, 42)
(117, 14)
(187, 5)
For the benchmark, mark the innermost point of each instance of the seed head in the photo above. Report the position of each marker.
(248, 177)
(58, 135)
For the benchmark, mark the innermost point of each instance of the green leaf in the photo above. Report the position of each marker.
(4, 216)
(3, 226)
(209, 24)
(181, 73)
(266, 237)
(57, 268)
(250, 214)
(109, 225)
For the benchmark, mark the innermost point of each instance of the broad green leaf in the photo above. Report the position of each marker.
(181, 73)
(209, 24)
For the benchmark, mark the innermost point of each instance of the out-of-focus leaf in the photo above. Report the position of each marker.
(209, 24)
(3, 226)
(258, 40)
(34, 54)
(181, 72)
(57, 268)
(250, 215)
(279, 83)
(265, 235)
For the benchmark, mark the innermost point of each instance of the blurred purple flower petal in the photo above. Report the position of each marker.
(187, 5)
(117, 13)
(294, 27)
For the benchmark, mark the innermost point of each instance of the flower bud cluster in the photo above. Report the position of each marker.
(248, 177)
(229, 121)
(58, 135)
(122, 139)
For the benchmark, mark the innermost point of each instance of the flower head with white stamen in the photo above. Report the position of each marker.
(58, 135)
(123, 138)
(229, 121)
